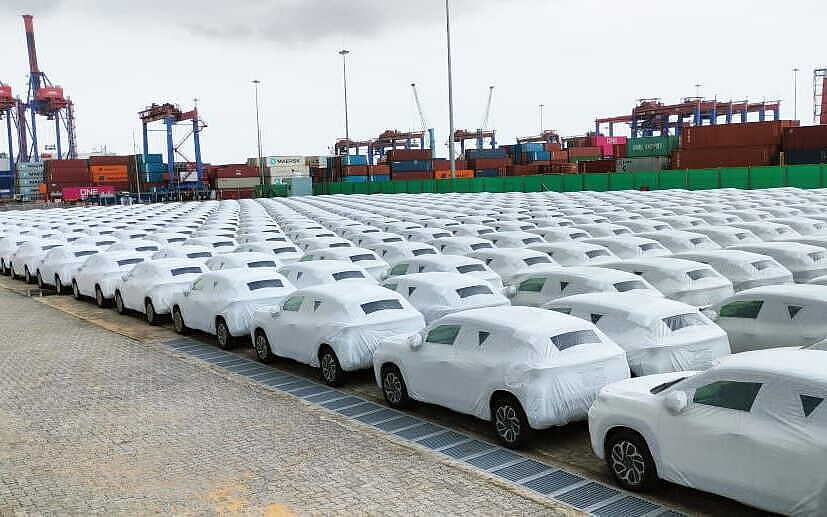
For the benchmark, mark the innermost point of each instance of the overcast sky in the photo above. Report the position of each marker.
(580, 58)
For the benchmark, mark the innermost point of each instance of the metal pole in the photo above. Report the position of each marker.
(451, 155)
(541, 119)
(258, 135)
(344, 53)
(795, 93)
(138, 170)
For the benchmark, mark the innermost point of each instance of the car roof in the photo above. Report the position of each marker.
(441, 279)
(802, 292)
(243, 274)
(662, 263)
(344, 291)
(527, 320)
(810, 365)
(637, 304)
(322, 266)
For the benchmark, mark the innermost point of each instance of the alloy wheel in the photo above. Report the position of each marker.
(508, 423)
(392, 385)
(628, 463)
(328, 365)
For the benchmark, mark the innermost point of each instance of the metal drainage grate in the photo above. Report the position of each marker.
(495, 458)
(463, 450)
(588, 495)
(313, 389)
(340, 403)
(398, 423)
(443, 440)
(419, 431)
(627, 507)
(360, 409)
(324, 397)
(521, 470)
(378, 416)
(553, 482)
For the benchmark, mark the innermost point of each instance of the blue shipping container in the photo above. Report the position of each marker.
(472, 154)
(412, 166)
(151, 158)
(155, 167)
(486, 173)
(534, 156)
(530, 148)
(354, 159)
(381, 177)
(356, 179)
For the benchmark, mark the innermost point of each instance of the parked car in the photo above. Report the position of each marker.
(678, 241)
(604, 229)
(774, 316)
(25, 259)
(149, 287)
(438, 294)
(460, 245)
(805, 261)
(243, 260)
(686, 281)
(510, 262)
(59, 265)
(98, 275)
(644, 225)
(223, 302)
(556, 234)
(631, 246)
(472, 230)
(397, 251)
(519, 367)
(447, 264)
(768, 231)
(218, 244)
(333, 327)
(576, 253)
(515, 239)
(535, 289)
(425, 234)
(144, 246)
(363, 257)
(658, 335)
(317, 272)
(744, 269)
(753, 429)
(200, 253)
(726, 236)
(286, 253)
(166, 238)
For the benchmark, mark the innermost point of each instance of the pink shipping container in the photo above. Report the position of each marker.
(78, 193)
(607, 143)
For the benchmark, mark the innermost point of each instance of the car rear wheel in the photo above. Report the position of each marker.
(27, 277)
(178, 321)
(394, 388)
(120, 308)
(76, 291)
(630, 462)
(4, 270)
(59, 286)
(151, 316)
(510, 421)
(100, 301)
(262, 346)
(40, 283)
(332, 373)
(222, 334)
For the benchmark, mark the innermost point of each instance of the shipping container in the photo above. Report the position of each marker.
(652, 146)
(584, 152)
(750, 134)
(597, 166)
(399, 155)
(412, 175)
(805, 157)
(460, 173)
(353, 159)
(287, 162)
(472, 154)
(242, 182)
(356, 170)
(486, 173)
(412, 166)
(356, 179)
(552, 147)
(713, 157)
(805, 138)
(642, 164)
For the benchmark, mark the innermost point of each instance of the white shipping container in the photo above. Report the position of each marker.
(285, 162)
(316, 161)
(5, 164)
(188, 176)
(231, 183)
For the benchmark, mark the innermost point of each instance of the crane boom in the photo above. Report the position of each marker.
(487, 114)
(422, 119)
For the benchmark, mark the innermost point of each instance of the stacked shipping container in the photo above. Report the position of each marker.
(731, 145)
(805, 145)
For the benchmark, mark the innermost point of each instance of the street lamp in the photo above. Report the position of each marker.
(541, 117)
(344, 53)
(795, 93)
(700, 118)
(451, 155)
(256, 82)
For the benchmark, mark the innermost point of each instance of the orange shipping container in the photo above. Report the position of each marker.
(461, 173)
(106, 173)
(41, 187)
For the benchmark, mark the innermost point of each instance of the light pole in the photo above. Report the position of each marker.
(700, 119)
(256, 82)
(795, 93)
(344, 53)
(451, 155)
(541, 117)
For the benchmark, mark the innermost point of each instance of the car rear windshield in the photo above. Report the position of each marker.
(484, 231)
(423, 251)
(441, 235)
(104, 243)
(470, 268)
(222, 244)
(146, 248)
(649, 246)
(473, 290)
(127, 262)
(177, 239)
(597, 253)
(264, 284)
(362, 258)
(578, 337)
(85, 253)
(761, 265)
(346, 275)
(340, 245)
(279, 239)
(392, 239)
(261, 263)
(629, 285)
(199, 254)
(699, 274)
(381, 305)
(682, 321)
(284, 250)
(51, 247)
(536, 260)
(531, 240)
(481, 246)
(185, 271)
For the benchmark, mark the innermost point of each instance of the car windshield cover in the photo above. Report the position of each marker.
(177, 239)
(346, 275)
(127, 262)
(481, 246)
(50, 247)
(536, 260)
(284, 250)
(199, 254)
(381, 305)
(441, 235)
(597, 253)
(699, 274)
(85, 253)
(146, 248)
(392, 239)
(104, 243)
(361, 258)
(423, 251)
(629, 285)
(761, 265)
(485, 231)
(473, 290)
(649, 246)
(222, 244)
(469, 268)
(279, 239)
(531, 240)
(265, 284)
(681, 321)
(185, 271)
(577, 337)
(340, 245)
(261, 263)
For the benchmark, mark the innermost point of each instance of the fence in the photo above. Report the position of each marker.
(803, 176)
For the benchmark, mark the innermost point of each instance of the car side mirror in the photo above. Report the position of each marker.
(510, 291)
(415, 341)
(676, 402)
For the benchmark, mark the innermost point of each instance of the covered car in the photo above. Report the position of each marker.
(447, 264)
(144, 246)
(576, 253)
(333, 327)
(218, 244)
(644, 225)
(520, 368)
(658, 335)
(550, 234)
(472, 230)
(534, 289)
(805, 261)
(686, 281)
(370, 240)
(26, 258)
(726, 236)
(460, 245)
(397, 251)
(243, 260)
(604, 229)
(510, 262)
(59, 265)
(768, 231)
(678, 241)
(319, 243)
(514, 239)
(631, 246)
(753, 429)
(201, 253)
(363, 257)
(744, 269)
(223, 302)
(774, 316)
(98, 275)
(317, 272)
(286, 253)
(149, 287)
(426, 234)
(438, 294)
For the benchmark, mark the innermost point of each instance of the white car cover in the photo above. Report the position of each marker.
(805, 261)
(658, 335)
(744, 269)
(554, 364)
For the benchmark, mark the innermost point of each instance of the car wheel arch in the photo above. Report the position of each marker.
(496, 395)
(645, 434)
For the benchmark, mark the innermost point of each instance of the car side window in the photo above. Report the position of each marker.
(399, 269)
(199, 284)
(742, 309)
(443, 335)
(482, 336)
(532, 285)
(792, 310)
(292, 304)
(735, 395)
(810, 404)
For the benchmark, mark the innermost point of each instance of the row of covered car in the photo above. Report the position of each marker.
(515, 308)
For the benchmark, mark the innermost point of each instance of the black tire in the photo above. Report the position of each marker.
(100, 301)
(630, 462)
(119, 306)
(222, 334)
(152, 317)
(394, 388)
(40, 283)
(262, 347)
(76, 291)
(509, 421)
(59, 288)
(4, 270)
(178, 321)
(27, 277)
(331, 369)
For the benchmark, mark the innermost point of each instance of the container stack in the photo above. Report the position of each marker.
(60, 174)
(805, 145)
(731, 145)
(235, 181)
(29, 178)
(410, 164)
(487, 163)
(6, 177)
(109, 170)
(278, 168)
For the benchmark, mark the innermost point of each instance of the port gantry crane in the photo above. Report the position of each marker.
(47, 100)
(8, 108)
(462, 135)
(820, 96)
(549, 136)
(172, 115)
(652, 116)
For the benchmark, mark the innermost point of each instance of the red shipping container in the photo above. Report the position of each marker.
(805, 138)
(77, 193)
(560, 156)
(597, 166)
(584, 152)
(236, 171)
(109, 160)
(379, 170)
(725, 157)
(441, 164)
(619, 150)
(489, 163)
(67, 163)
(240, 193)
(403, 155)
(563, 168)
(750, 134)
(404, 176)
(552, 147)
(355, 170)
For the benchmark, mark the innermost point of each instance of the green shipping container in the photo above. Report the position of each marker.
(652, 146)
